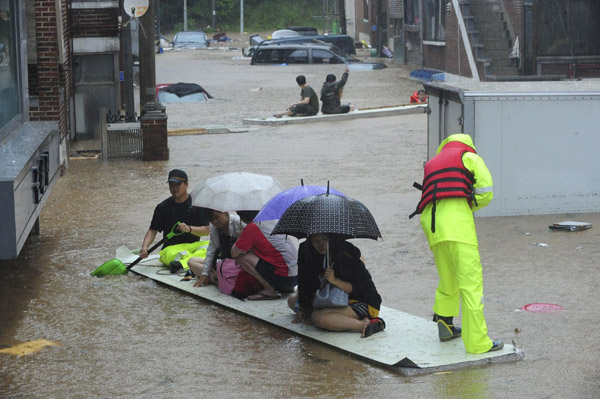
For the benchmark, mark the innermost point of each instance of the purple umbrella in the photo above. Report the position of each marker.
(277, 205)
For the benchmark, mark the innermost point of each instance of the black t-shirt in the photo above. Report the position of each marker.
(168, 212)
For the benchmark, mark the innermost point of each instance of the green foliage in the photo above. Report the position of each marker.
(259, 15)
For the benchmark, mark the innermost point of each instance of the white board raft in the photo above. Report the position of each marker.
(373, 112)
(408, 345)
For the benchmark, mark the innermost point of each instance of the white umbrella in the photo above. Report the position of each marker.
(236, 191)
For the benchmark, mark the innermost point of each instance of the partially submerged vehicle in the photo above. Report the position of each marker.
(304, 30)
(308, 53)
(343, 42)
(190, 40)
(181, 93)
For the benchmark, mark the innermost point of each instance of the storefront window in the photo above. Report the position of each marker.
(435, 20)
(411, 12)
(9, 84)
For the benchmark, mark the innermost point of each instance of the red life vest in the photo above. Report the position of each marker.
(446, 177)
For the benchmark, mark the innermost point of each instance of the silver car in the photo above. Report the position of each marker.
(190, 40)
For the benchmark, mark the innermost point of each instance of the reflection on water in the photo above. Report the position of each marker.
(126, 336)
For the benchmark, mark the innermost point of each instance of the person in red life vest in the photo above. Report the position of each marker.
(418, 97)
(456, 184)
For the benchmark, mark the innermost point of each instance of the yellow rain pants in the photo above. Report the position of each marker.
(182, 252)
(459, 269)
(456, 251)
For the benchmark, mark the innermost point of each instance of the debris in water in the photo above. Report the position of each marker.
(542, 308)
(570, 226)
(27, 348)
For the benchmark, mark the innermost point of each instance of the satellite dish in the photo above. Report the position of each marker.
(135, 8)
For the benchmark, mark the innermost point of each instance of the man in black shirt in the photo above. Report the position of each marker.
(177, 208)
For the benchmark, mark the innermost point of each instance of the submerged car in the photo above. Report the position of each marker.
(308, 53)
(190, 40)
(181, 93)
(343, 42)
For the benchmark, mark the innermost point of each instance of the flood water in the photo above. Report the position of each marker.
(128, 337)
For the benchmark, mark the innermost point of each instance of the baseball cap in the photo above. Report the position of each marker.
(177, 176)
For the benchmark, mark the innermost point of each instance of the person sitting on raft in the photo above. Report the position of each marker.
(349, 273)
(225, 228)
(177, 208)
(271, 259)
(331, 94)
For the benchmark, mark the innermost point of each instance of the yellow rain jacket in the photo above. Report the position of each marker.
(455, 249)
(454, 216)
(183, 252)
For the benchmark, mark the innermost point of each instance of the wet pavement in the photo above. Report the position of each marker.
(127, 337)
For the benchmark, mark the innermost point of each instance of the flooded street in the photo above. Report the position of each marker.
(128, 337)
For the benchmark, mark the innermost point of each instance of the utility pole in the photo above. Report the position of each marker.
(214, 14)
(128, 97)
(185, 15)
(147, 54)
(242, 19)
(342, 13)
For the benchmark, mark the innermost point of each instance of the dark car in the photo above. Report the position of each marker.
(343, 42)
(190, 40)
(307, 53)
(304, 30)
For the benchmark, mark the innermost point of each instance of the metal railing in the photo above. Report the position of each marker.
(122, 137)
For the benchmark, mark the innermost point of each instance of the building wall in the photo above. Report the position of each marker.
(456, 58)
(514, 9)
(95, 35)
(434, 57)
(49, 61)
(363, 22)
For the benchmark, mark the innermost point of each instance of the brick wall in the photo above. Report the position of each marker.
(50, 77)
(514, 9)
(97, 22)
(457, 61)
(154, 130)
(434, 57)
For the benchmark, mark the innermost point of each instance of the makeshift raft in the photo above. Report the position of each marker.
(408, 345)
(403, 109)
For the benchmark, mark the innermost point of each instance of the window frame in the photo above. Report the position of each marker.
(415, 18)
(16, 32)
(438, 7)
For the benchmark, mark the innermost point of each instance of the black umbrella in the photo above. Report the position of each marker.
(328, 213)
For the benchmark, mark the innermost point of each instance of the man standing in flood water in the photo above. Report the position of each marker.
(177, 208)
(456, 184)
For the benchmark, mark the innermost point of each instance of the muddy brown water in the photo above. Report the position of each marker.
(128, 337)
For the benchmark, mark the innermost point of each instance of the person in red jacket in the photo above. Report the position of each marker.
(418, 97)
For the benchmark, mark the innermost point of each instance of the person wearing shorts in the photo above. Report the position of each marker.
(347, 272)
(271, 259)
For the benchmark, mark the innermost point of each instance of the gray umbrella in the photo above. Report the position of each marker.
(236, 191)
(328, 213)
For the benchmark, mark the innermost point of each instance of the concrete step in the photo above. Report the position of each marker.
(496, 54)
(504, 63)
(505, 71)
(499, 42)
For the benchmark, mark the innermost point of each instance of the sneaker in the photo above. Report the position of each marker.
(446, 332)
(373, 326)
(496, 346)
(175, 266)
